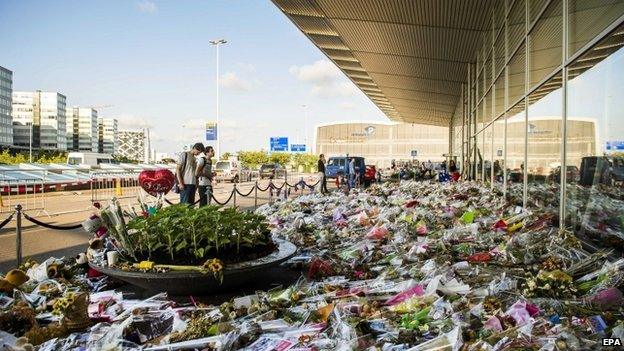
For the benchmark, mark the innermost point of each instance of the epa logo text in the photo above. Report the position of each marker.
(611, 342)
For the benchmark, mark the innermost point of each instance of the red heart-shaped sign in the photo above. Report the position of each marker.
(156, 182)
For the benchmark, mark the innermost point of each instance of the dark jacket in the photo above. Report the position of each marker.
(321, 166)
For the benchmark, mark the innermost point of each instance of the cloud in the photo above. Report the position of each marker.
(147, 6)
(346, 105)
(231, 80)
(131, 121)
(247, 67)
(325, 78)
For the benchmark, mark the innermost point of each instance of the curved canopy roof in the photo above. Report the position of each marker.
(408, 56)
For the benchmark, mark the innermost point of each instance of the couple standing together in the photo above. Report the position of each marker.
(193, 173)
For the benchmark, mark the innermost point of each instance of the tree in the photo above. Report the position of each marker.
(280, 157)
(308, 161)
(253, 159)
(226, 155)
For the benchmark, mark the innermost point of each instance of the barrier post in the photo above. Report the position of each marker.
(302, 186)
(234, 194)
(256, 195)
(271, 191)
(18, 234)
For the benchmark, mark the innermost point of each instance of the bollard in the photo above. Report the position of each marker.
(256, 196)
(18, 234)
(270, 191)
(234, 195)
(302, 186)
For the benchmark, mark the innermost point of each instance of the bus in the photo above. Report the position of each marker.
(89, 158)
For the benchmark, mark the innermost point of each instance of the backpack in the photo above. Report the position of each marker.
(206, 171)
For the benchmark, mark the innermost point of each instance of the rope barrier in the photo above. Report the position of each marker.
(245, 195)
(226, 201)
(276, 187)
(265, 189)
(51, 226)
(6, 221)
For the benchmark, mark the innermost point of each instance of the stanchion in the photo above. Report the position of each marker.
(234, 194)
(303, 185)
(256, 195)
(270, 191)
(18, 234)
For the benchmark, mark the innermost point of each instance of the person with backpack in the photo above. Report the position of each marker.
(186, 177)
(204, 176)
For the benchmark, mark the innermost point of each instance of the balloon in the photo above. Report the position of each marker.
(156, 182)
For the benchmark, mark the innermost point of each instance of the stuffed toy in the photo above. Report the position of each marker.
(94, 225)
(13, 280)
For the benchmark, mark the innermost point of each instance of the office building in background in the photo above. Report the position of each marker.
(107, 135)
(39, 120)
(82, 132)
(6, 121)
(132, 145)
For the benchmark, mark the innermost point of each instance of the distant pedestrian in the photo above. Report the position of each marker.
(443, 166)
(321, 169)
(204, 176)
(185, 173)
(352, 173)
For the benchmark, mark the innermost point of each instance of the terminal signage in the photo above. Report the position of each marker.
(297, 147)
(211, 131)
(615, 145)
(279, 143)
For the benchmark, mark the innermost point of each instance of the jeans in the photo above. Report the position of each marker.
(204, 197)
(352, 180)
(187, 195)
(324, 184)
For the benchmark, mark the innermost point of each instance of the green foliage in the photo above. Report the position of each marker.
(183, 231)
(308, 161)
(226, 155)
(253, 159)
(39, 157)
(124, 159)
(280, 157)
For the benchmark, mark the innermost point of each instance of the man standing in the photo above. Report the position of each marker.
(352, 173)
(321, 168)
(204, 176)
(185, 174)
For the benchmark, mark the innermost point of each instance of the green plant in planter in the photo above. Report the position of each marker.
(191, 235)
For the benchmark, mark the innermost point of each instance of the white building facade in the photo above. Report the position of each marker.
(6, 120)
(82, 132)
(39, 119)
(107, 136)
(132, 145)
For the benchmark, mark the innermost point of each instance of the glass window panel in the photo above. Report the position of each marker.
(517, 76)
(535, 6)
(499, 16)
(544, 138)
(498, 134)
(545, 44)
(480, 116)
(499, 96)
(479, 157)
(488, 72)
(487, 154)
(595, 146)
(587, 18)
(516, 24)
(499, 54)
(487, 108)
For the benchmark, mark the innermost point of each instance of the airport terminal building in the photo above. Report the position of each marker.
(380, 143)
(528, 88)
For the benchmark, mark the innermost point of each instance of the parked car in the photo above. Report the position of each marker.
(272, 171)
(572, 174)
(370, 175)
(339, 166)
(227, 171)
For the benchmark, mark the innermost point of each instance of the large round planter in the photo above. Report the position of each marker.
(185, 283)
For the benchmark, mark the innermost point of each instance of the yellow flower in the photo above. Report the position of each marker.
(215, 265)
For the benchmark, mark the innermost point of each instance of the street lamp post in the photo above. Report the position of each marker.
(218, 43)
(305, 128)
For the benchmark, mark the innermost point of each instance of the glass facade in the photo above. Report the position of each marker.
(544, 107)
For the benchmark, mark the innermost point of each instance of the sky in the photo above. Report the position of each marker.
(151, 63)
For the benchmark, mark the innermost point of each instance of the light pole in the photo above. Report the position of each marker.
(30, 144)
(218, 43)
(305, 128)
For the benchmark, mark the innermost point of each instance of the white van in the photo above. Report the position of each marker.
(88, 158)
(227, 170)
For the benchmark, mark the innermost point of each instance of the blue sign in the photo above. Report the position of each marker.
(211, 131)
(615, 145)
(297, 147)
(279, 143)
